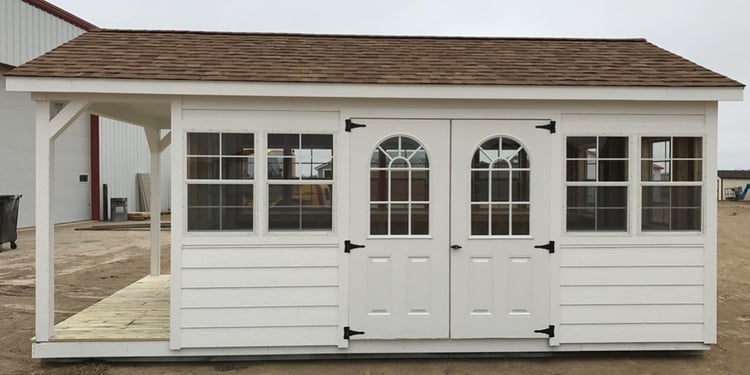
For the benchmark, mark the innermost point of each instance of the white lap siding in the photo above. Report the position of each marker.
(238, 295)
(623, 294)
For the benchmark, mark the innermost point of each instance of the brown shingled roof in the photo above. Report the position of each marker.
(214, 56)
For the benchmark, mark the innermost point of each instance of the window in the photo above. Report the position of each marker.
(300, 188)
(671, 183)
(500, 189)
(399, 188)
(220, 174)
(597, 183)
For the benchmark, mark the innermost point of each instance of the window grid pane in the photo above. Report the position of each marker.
(399, 188)
(592, 206)
(500, 188)
(220, 157)
(665, 205)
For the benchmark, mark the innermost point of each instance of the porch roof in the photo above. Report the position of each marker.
(349, 59)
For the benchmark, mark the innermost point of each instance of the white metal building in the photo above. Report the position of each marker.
(28, 29)
(379, 195)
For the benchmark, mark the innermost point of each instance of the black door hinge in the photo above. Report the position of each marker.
(351, 125)
(550, 246)
(348, 332)
(349, 246)
(552, 127)
(549, 331)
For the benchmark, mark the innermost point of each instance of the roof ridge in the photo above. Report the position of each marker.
(395, 36)
(62, 14)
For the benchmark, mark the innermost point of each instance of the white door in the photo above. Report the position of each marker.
(499, 213)
(400, 176)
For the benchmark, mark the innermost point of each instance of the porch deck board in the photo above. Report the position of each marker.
(139, 312)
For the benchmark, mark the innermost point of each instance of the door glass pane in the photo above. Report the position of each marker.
(500, 219)
(480, 223)
(399, 219)
(379, 185)
(420, 214)
(500, 185)
(520, 186)
(399, 185)
(379, 218)
(480, 186)
(420, 186)
(520, 220)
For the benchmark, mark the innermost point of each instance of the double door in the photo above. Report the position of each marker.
(450, 213)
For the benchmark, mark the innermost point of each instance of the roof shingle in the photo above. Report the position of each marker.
(214, 56)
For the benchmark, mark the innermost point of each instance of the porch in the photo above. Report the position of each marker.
(138, 312)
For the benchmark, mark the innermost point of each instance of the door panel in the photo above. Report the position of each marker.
(499, 281)
(399, 282)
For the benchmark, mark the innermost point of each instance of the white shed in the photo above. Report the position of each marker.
(347, 195)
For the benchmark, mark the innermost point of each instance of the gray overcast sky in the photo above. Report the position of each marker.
(712, 33)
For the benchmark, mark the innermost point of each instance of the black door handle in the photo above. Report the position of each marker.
(456, 247)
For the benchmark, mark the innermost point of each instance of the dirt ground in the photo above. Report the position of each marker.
(91, 265)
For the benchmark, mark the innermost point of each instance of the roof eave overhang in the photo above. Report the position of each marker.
(367, 91)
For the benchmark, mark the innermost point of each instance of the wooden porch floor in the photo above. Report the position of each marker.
(139, 312)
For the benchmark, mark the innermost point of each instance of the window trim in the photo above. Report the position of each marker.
(627, 184)
(186, 182)
(701, 183)
(267, 182)
(388, 169)
(510, 202)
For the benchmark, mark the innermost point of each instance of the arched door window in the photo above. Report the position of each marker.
(399, 188)
(500, 188)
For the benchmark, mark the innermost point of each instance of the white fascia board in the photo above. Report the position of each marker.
(369, 91)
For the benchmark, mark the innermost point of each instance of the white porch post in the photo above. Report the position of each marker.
(47, 130)
(156, 146)
(45, 229)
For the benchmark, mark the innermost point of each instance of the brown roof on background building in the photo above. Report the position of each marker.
(737, 174)
(214, 56)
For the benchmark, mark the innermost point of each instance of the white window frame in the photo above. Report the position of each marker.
(407, 202)
(220, 181)
(267, 182)
(510, 203)
(631, 156)
(701, 183)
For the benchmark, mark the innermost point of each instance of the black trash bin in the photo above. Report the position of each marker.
(119, 207)
(9, 219)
